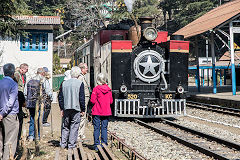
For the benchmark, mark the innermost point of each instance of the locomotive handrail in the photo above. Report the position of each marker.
(165, 82)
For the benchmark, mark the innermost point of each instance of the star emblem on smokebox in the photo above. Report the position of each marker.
(149, 66)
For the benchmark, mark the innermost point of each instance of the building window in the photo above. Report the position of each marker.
(34, 42)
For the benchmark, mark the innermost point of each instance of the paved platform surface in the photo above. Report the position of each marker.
(223, 96)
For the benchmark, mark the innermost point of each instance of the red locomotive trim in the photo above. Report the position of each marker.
(178, 46)
(162, 37)
(121, 46)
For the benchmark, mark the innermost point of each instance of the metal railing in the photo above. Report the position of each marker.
(132, 108)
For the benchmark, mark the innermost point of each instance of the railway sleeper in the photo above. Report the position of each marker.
(78, 153)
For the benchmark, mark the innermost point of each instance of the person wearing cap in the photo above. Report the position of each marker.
(31, 93)
(48, 98)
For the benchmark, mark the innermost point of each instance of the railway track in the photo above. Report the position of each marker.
(78, 153)
(214, 108)
(103, 153)
(209, 145)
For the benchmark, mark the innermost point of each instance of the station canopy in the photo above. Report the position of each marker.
(212, 19)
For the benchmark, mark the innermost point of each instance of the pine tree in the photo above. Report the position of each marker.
(8, 24)
(179, 13)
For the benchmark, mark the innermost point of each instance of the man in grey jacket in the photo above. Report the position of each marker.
(72, 104)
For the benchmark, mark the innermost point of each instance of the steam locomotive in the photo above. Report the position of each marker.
(148, 73)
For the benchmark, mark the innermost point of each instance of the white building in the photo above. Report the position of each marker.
(35, 49)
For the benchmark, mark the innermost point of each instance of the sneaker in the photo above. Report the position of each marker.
(46, 124)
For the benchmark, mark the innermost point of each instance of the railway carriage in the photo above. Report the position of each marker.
(147, 73)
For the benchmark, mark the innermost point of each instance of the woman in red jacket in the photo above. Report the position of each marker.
(102, 99)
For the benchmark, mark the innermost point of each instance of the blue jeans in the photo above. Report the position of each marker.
(31, 123)
(100, 122)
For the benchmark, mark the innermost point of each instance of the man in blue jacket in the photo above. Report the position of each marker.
(9, 108)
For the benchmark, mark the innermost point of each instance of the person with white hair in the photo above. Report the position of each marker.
(102, 99)
(67, 75)
(72, 104)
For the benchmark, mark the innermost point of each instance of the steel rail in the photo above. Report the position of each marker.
(215, 108)
(210, 137)
(184, 142)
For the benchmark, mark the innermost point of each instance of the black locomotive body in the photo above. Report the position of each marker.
(148, 76)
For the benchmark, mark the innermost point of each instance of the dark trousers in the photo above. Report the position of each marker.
(21, 101)
(70, 126)
(100, 122)
(47, 109)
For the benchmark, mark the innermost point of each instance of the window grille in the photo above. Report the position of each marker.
(34, 42)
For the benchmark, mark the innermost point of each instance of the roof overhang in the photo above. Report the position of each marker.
(39, 20)
(213, 19)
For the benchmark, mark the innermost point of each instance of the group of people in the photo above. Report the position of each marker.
(73, 100)
(17, 93)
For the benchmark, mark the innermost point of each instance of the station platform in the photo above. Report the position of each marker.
(223, 97)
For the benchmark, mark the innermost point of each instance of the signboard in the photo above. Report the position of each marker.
(205, 60)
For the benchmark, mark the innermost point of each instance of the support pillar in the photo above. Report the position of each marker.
(225, 79)
(196, 52)
(213, 65)
(207, 62)
(220, 74)
(203, 77)
(232, 59)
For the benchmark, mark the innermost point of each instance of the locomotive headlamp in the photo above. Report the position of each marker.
(150, 33)
(123, 89)
(180, 89)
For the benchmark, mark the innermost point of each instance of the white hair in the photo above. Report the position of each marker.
(67, 75)
(101, 79)
(75, 72)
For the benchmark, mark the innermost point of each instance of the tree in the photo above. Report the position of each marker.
(85, 16)
(140, 8)
(9, 25)
(57, 69)
(192, 10)
(179, 13)
(45, 7)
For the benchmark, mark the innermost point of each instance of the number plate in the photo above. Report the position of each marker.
(132, 96)
(168, 96)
